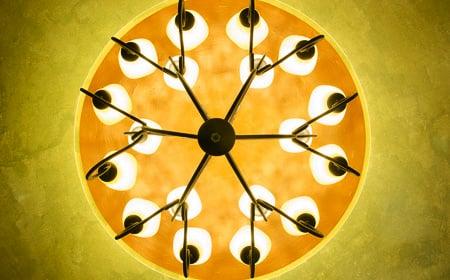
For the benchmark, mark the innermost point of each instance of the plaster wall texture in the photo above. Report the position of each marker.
(398, 229)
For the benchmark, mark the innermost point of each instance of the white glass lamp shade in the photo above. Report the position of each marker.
(240, 34)
(118, 96)
(287, 127)
(193, 201)
(150, 143)
(143, 208)
(191, 74)
(125, 166)
(242, 239)
(320, 167)
(135, 67)
(260, 82)
(259, 192)
(197, 237)
(192, 37)
(294, 64)
(318, 103)
(295, 208)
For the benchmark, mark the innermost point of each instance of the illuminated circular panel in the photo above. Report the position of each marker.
(262, 162)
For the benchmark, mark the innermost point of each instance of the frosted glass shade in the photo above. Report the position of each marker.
(240, 34)
(294, 64)
(287, 127)
(191, 74)
(119, 98)
(296, 207)
(143, 208)
(320, 167)
(193, 201)
(125, 178)
(259, 192)
(197, 237)
(138, 68)
(192, 37)
(150, 143)
(242, 239)
(318, 103)
(262, 81)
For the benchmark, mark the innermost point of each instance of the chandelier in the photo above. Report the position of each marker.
(117, 171)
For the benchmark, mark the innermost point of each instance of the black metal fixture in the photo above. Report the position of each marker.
(216, 137)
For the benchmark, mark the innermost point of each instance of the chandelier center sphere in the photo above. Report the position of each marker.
(216, 137)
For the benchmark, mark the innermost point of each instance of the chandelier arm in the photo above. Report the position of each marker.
(252, 238)
(308, 45)
(130, 228)
(311, 230)
(135, 52)
(308, 148)
(128, 115)
(181, 23)
(191, 183)
(244, 184)
(189, 92)
(271, 136)
(252, 28)
(245, 87)
(91, 175)
(186, 251)
(329, 111)
(162, 132)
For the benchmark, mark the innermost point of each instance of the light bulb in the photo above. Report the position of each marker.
(322, 98)
(259, 192)
(198, 241)
(132, 65)
(192, 37)
(121, 176)
(115, 94)
(242, 240)
(191, 74)
(301, 208)
(193, 201)
(149, 143)
(240, 34)
(298, 65)
(287, 127)
(262, 81)
(136, 210)
(324, 171)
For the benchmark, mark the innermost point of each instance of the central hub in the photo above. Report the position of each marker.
(216, 137)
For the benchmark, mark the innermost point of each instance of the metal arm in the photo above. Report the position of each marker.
(135, 52)
(308, 45)
(301, 224)
(252, 27)
(161, 132)
(181, 23)
(347, 168)
(336, 105)
(271, 136)
(190, 92)
(186, 251)
(130, 228)
(252, 238)
(191, 183)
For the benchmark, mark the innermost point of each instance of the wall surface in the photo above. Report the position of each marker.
(399, 227)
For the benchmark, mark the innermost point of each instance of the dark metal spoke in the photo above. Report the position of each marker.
(308, 45)
(91, 173)
(245, 87)
(130, 228)
(128, 115)
(191, 183)
(181, 23)
(336, 105)
(343, 167)
(162, 132)
(271, 136)
(252, 238)
(186, 252)
(244, 184)
(252, 27)
(190, 92)
(302, 224)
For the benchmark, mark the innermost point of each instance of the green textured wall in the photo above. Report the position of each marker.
(399, 228)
